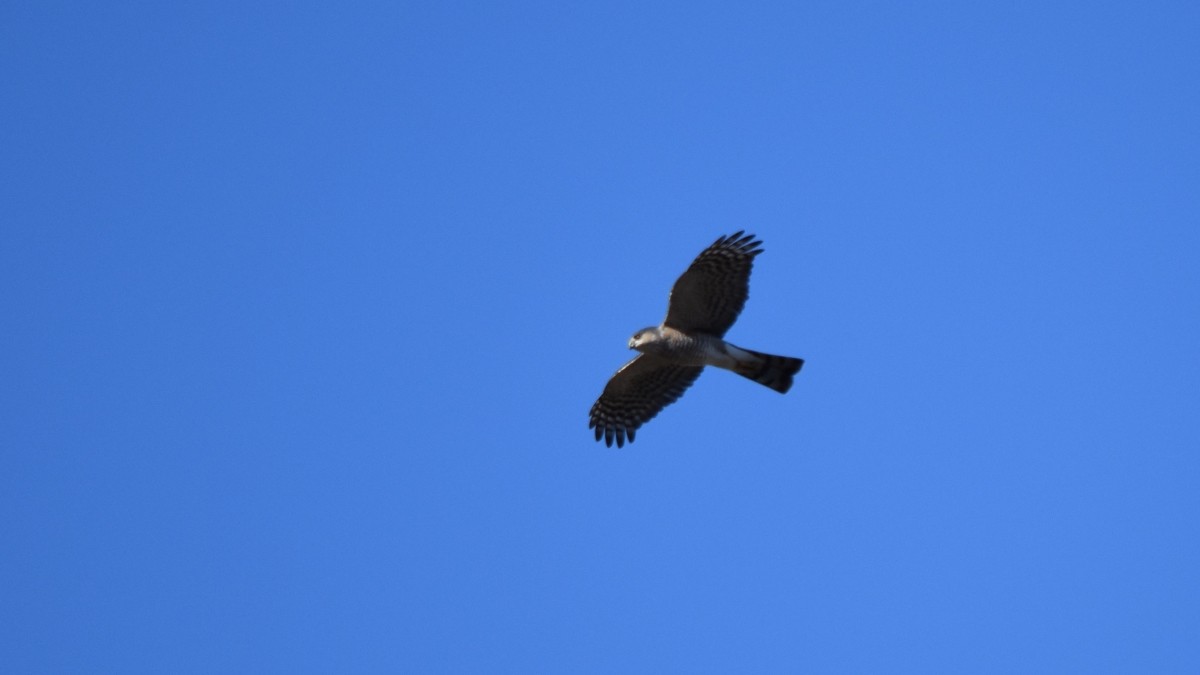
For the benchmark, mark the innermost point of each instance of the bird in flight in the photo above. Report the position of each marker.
(704, 303)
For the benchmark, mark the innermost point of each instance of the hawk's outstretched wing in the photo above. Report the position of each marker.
(639, 390)
(711, 293)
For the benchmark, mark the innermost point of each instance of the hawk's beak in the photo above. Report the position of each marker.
(631, 343)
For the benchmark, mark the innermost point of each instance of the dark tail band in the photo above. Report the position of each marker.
(773, 371)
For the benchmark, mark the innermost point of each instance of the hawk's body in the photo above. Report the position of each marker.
(704, 303)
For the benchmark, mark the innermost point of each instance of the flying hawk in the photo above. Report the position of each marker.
(704, 303)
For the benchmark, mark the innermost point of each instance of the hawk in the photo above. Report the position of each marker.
(704, 303)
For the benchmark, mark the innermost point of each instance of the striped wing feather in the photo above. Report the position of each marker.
(708, 297)
(635, 394)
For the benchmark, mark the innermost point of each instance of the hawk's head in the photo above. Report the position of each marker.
(644, 337)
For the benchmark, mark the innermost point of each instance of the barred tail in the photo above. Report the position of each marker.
(774, 371)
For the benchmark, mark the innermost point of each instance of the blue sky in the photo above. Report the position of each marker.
(306, 305)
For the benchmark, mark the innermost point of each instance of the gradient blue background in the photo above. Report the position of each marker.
(304, 306)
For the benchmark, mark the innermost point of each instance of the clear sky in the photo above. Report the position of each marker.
(305, 304)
